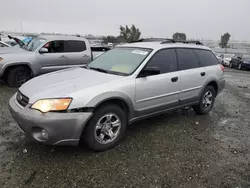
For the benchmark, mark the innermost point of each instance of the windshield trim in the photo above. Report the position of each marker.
(121, 73)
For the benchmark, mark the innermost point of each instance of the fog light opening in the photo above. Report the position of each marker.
(45, 134)
(40, 134)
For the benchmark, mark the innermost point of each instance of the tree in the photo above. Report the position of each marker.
(110, 39)
(129, 34)
(224, 40)
(179, 36)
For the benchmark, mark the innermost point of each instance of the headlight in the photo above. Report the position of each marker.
(1, 59)
(246, 62)
(46, 105)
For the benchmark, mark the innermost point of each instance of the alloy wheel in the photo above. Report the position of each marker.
(207, 100)
(107, 128)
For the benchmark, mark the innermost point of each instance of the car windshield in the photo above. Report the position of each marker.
(246, 56)
(123, 61)
(34, 44)
(228, 55)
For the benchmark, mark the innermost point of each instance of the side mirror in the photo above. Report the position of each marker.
(149, 71)
(239, 57)
(43, 50)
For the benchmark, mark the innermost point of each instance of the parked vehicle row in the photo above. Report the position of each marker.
(42, 55)
(225, 59)
(95, 103)
(15, 41)
(240, 61)
(4, 44)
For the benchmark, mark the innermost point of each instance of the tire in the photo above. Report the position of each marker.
(92, 134)
(18, 76)
(239, 66)
(200, 108)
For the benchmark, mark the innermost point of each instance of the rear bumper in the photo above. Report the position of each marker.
(62, 128)
(221, 85)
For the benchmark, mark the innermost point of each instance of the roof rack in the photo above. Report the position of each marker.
(182, 41)
(166, 40)
(149, 40)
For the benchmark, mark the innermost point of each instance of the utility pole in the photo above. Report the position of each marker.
(21, 27)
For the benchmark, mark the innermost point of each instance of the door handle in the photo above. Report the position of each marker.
(203, 73)
(85, 56)
(174, 79)
(63, 56)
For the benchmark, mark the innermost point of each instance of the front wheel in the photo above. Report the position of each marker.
(18, 76)
(106, 128)
(206, 102)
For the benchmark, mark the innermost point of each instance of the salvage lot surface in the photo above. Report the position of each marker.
(177, 149)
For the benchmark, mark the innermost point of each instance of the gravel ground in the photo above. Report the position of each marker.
(178, 149)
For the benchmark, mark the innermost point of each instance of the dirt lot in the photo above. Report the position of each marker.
(178, 149)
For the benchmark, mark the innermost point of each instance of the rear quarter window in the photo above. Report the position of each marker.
(206, 57)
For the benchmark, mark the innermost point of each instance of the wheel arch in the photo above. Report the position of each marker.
(8, 67)
(213, 83)
(118, 98)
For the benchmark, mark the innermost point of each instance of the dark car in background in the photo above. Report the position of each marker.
(240, 61)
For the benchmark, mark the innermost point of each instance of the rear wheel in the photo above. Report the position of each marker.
(106, 128)
(18, 76)
(206, 102)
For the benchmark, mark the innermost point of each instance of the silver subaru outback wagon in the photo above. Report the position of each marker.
(131, 82)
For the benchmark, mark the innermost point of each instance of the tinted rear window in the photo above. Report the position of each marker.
(186, 59)
(165, 60)
(206, 58)
(74, 46)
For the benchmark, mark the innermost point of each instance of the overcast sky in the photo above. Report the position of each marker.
(206, 19)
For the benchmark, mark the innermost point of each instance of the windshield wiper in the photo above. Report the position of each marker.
(97, 69)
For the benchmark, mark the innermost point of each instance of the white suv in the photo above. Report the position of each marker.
(130, 82)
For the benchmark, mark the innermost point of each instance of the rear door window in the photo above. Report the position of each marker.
(206, 58)
(186, 59)
(74, 46)
(165, 60)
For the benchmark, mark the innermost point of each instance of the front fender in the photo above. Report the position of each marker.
(103, 97)
(6, 65)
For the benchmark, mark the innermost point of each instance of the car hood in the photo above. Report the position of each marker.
(18, 56)
(64, 83)
(228, 58)
(8, 50)
(18, 41)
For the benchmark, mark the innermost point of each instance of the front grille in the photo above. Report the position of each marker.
(22, 99)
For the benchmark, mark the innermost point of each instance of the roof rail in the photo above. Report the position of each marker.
(149, 40)
(166, 40)
(181, 41)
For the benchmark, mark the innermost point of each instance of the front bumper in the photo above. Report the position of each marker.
(62, 128)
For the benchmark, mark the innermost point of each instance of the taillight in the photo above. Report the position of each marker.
(222, 68)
